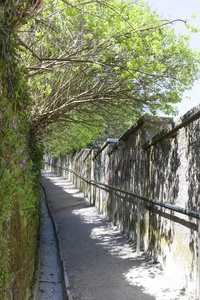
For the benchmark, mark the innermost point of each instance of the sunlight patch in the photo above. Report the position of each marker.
(157, 283)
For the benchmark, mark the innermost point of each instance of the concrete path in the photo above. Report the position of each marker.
(50, 285)
(99, 262)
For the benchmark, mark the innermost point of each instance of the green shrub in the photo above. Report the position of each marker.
(20, 165)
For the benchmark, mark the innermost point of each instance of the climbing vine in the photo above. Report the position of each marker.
(126, 62)
(20, 164)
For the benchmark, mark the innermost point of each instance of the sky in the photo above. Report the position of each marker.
(179, 9)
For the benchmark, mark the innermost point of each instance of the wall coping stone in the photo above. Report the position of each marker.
(93, 148)
(81, 153)
(109, 141)
(143, 120)
(184, 120)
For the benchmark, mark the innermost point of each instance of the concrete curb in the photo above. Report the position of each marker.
(35, 279)
(34, 289)
(65, 280)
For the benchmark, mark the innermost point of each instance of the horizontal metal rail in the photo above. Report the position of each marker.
(184, 211)
(188, 212)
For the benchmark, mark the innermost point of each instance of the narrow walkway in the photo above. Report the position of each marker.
(50, 279)
(98, 260)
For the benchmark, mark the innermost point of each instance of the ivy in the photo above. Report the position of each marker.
(19, 170)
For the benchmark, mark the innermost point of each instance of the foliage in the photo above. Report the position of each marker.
(19, 172)
(62, 137)
(93, 63)
(111, 59)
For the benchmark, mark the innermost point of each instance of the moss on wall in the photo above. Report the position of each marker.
(22, 244)
(20, 164)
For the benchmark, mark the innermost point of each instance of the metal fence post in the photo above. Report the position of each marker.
(138, 225)
(99, 199)
(91, 193)
(88, 192)
(95, 192)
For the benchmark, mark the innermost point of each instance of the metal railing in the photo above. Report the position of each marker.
(171, 207)
(185, 211)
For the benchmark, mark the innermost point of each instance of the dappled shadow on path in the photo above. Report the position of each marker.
(101, 262)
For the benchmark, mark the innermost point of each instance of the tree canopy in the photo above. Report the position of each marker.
(102, 62)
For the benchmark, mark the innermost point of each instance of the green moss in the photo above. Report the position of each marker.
(142, 227)
(187, 257)
(20, 164)
(22, 253)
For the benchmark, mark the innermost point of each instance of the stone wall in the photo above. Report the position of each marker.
(163, 165)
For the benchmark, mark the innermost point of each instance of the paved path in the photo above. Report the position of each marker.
(50, 285)
(98, 260)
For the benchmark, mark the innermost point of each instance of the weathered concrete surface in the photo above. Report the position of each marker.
(164, 167)
(50, 280)
(99, 261)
